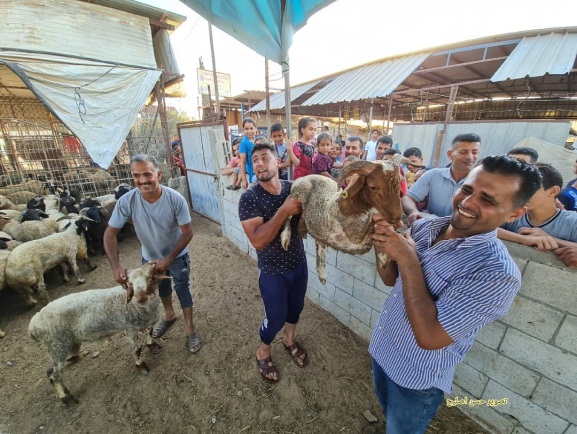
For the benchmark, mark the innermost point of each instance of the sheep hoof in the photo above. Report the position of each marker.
(154, 348)
(81, 281)
(92, 267)
(68, 398)
(74, 359)
(323, 280)
(66, 279)
(143, 368)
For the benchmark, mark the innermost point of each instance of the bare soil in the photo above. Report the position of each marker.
(216, 390)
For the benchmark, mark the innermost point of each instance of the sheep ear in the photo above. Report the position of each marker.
(353, 187)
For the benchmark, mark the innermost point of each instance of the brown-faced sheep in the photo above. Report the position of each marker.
(343, 218)
(91, 315)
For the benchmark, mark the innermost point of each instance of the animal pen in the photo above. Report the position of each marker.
(34, 144)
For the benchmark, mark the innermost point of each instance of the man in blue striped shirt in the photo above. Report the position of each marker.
(451, 276)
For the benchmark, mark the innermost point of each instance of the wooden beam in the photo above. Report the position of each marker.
(161, 24)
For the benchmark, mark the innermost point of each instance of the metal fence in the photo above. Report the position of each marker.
(35, 145)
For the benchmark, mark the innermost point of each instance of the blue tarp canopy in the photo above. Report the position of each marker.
(262, 25)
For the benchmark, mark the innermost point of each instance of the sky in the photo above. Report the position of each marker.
(348, 33)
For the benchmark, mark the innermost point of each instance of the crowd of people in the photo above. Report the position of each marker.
(450, 274)
(449, 261)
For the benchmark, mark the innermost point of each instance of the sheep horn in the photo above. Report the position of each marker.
(83, 216)
(345, 194)
(398, 159)
(362, 168)
(66, 217)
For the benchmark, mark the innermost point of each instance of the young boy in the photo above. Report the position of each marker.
(544, 226)
(277, 135)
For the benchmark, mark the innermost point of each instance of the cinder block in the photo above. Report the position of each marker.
(533, 318)
(572, 430)
(339, 278)
(369, 257)
(557, 399)
(375, 315)
(331, 256)
(343, 316)
(532, 416)
(492, 334)
(567, 336)
(470, 379)
(356, 267)
(313, 295)
(551, 286)
(368, 294)
(521, 430)
(360, 328)
(501, 369)
(380, 285)
(312, 266)
(485, 416)
(521, 264)
(546, 359)
(350, 304)
(327, 290)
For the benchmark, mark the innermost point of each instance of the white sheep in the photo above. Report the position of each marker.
(91, 315)
(343, 218)
(3, 258)
(29, 230)
(29, 261)
(6, 203)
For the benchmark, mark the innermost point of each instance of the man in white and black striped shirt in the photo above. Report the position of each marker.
(450, 277)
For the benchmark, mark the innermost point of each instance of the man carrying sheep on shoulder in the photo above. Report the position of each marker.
(162, 223)
(263, 210)
(450, 277)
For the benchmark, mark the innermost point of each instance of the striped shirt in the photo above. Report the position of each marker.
(472, 280)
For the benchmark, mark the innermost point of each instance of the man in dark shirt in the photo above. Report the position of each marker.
(263, 210)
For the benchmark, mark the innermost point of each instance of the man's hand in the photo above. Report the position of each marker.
(161, 265)
(397, 247)
(413, 217)
(119, 274)
(291, 206)
(568, 255)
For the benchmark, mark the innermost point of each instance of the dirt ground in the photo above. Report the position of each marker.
(216, 390)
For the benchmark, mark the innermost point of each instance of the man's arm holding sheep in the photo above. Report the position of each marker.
(261, 233)
(420, 306)
(186, 237)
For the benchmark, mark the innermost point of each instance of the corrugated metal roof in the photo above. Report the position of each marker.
(539, 55)
(277, 99)
(371, 81)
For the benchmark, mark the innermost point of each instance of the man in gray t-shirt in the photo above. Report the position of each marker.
(163, 226)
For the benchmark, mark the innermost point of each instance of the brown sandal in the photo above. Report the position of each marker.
(266, 367)
(300, 351)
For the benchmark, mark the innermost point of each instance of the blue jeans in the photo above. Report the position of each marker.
(283, 296)
(407, 411)
(179, 270)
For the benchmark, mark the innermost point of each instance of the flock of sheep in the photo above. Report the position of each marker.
(44, 225)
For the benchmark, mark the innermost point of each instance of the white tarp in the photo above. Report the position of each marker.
(98, 102)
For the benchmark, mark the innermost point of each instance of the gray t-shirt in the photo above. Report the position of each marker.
(157, 224)
(562, 225)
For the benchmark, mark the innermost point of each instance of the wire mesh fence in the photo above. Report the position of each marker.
(37, 149)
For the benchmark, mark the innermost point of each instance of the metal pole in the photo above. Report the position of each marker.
(214, 77)
(267, 89)
(287, 103)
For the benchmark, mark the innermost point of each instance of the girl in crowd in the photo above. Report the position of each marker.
(322, 162)
(301, 153)
(335, 154)
(246, 173)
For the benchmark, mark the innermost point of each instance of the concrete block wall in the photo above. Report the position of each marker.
(528, 357)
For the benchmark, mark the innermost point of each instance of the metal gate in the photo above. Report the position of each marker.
(201, 145)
